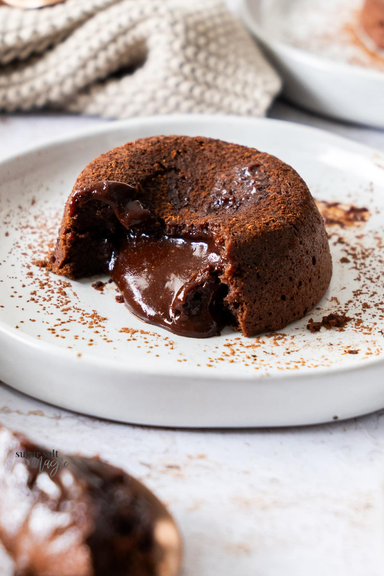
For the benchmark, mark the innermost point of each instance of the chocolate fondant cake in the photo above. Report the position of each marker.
(372, 20)
(198, 233)
(74, 516)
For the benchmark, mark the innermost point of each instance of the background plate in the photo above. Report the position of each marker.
(318, 51)
(66, 343)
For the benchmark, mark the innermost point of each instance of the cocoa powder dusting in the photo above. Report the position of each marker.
(352, 314)
(338, 35)
(368, 57)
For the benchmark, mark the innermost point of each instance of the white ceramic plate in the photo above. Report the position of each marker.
(319, 77)
(70, 345)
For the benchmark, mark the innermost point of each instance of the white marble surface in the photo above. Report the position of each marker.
(293, 502)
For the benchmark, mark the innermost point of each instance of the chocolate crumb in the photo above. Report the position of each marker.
(40, 263)
(353, 351)
(330, 321)
(119, 298)
(99, 285)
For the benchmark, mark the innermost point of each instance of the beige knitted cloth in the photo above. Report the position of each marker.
(122, 58)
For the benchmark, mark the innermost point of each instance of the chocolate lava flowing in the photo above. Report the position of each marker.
(167, 281)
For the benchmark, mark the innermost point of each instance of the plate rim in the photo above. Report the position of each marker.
(119, 366)
(119, 124)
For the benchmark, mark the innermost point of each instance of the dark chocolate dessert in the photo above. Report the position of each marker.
(75, 516)
(197, 233)
(372, 20)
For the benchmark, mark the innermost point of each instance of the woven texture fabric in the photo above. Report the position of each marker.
(123, 58)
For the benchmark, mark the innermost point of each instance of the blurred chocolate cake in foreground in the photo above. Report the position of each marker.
(76, 516)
